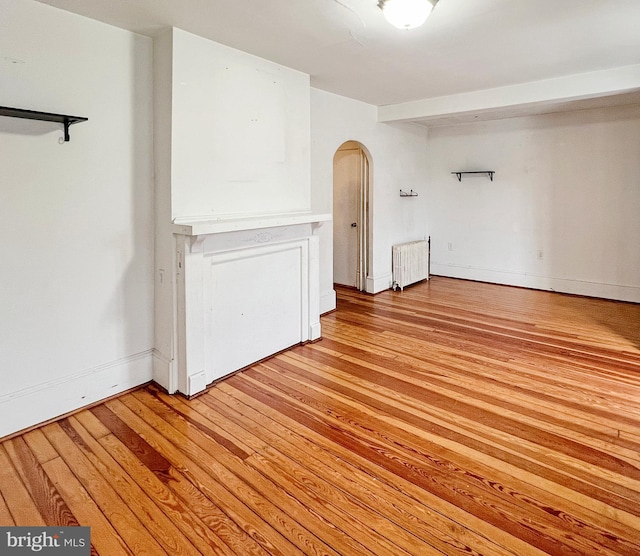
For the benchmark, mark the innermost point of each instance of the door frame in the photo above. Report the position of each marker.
(363, 220)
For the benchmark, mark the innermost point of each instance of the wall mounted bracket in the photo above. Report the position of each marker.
(488, 172)
(411, 193)
(64, 119)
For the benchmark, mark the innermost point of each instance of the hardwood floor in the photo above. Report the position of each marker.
(451, 418)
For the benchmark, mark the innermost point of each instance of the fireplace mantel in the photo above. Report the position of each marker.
(246, 289)
(224, 225)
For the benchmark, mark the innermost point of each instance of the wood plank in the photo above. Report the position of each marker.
(155, 461)
(92, 424)
(165, 530)
(479, 498)
(569, 420)
(209, 427)
(443, 432)
(352, 382)
(430, 527)
(451, 418)
(258, 492)
(104, 537)
(40, 446)
(473, 467)
(161, 469)
(129, 527)
(254, 523)
(6, 519)
(369, 528)
(198, 526)
(445, 517)
(50, 504)
(21, 505)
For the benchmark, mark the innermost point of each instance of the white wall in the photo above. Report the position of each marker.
(164, 372)
(231, 142)
(562, 213)
(75, 219)
(240, 143)
(398, 161)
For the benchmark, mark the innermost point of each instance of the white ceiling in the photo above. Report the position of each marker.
(348, 48)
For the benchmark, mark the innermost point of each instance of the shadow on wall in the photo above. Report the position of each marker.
(21, 126)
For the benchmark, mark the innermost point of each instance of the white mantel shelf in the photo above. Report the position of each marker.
(223, 225)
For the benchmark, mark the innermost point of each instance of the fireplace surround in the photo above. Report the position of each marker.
(245, 289)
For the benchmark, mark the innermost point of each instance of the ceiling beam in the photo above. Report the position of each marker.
(535, 96)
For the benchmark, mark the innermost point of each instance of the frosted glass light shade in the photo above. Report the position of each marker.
(406, 14)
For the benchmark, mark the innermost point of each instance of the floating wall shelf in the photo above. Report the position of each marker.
(411, 193)
(488, 172)
(43, 116)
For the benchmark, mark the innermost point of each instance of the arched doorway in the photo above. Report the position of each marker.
(351, 215)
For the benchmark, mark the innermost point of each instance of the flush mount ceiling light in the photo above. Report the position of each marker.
(406, 14)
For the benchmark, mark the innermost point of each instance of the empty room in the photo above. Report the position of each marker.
(338, 277)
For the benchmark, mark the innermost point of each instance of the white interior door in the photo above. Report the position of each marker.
(349, 216)
(346, 185)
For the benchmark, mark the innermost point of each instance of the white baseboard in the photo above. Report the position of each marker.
(164, 373)
(537, 282)
(327, 301)
(315, 331)
(37, 404)
(376, 284)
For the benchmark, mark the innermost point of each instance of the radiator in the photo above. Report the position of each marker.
(410, 263)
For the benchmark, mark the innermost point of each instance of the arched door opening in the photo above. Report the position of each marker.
(351, 215)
